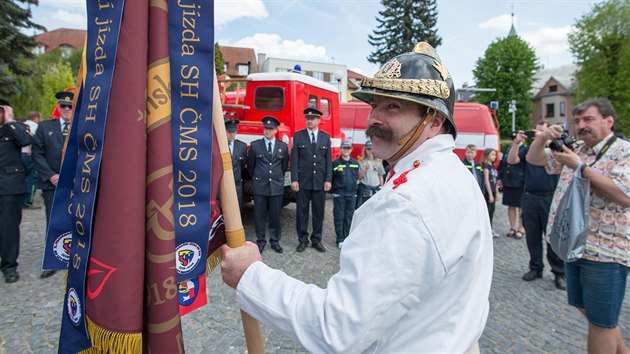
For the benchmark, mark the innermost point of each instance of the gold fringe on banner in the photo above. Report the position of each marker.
(213, 261)
(105, 341)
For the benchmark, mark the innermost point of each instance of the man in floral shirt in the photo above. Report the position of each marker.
(595, 283)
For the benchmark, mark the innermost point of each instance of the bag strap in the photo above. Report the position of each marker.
(604, 149)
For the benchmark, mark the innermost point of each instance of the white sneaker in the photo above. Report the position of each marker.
(340, 244)
(494, 234)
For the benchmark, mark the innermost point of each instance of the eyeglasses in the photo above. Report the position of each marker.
(65, 107)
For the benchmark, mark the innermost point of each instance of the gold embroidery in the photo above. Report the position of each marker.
(390, 70)
(418, 86)
(442, 69)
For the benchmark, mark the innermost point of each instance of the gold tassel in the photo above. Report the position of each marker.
(213, 261)
(106, 341)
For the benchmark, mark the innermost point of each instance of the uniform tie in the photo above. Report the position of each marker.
(313, 142)
(269, 148)
(64, 131)
(231, 146)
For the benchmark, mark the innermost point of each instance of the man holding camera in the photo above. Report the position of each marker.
(595, 283)
(538, 191)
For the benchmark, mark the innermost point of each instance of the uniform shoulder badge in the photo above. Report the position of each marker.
(403, 176)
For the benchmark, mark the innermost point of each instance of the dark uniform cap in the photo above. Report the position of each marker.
(418, 76)
(3, 102)
(346, 145)
(231, 124)
(270, 122)
(368, 144)
(64, 98)
(312, 113)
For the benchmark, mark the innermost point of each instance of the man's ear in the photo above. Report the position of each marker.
(436, 125)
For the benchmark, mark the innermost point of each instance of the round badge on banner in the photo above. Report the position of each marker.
(187, 257)
(74, 306)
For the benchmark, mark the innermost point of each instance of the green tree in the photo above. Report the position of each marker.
(600, 44)
(508, 65)
(401, 25)
(219, 62)
(14, 20)
(50, 73)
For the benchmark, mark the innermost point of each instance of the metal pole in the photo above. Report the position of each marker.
(513, 110)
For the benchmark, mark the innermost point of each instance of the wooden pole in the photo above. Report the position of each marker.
(234, 232)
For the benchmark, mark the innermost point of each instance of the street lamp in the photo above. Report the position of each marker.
(338, 77)
(512, 109)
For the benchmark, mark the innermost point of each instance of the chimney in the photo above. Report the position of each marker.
(261, 61)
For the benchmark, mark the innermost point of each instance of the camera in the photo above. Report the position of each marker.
(530, 134)
(563, 140)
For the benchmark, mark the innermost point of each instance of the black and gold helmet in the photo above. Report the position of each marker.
(418, 76)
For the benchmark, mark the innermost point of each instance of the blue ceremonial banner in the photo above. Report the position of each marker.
(59, 233)
(104, 21)
(191, 40)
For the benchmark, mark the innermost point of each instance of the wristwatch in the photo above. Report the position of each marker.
(582, 166)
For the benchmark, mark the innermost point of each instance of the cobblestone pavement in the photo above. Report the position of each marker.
(524, 317)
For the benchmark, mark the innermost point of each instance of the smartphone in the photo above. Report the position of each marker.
(530, 133)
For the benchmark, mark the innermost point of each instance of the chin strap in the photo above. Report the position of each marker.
(410, 138)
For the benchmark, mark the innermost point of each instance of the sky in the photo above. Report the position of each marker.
(336, 31)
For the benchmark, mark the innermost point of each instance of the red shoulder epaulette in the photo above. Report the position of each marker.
(403, 176)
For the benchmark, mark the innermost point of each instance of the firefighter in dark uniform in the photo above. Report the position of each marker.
(311, 177)
(47, 152)
(344, 191)
(12, 188)
(238, 151)
(267, 160)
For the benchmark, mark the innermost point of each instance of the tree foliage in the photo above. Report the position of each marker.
(219, 62)
(601, 45)
(401, 25)
(50, 73)
(15, 17)
(508, 65)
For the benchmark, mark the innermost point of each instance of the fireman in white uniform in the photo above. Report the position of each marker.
(416, 268)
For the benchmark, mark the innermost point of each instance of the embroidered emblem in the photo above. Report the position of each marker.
(442, 69)
(390, 70)
(73, 306)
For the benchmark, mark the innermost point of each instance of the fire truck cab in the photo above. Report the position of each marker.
(475, 125)
(283, 95)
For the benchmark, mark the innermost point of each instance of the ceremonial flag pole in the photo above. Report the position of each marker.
(234, 232)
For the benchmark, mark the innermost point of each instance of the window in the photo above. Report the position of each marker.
(269, 98)
(324, 107)
(39, 49)
(550, 108)
(553, 88)
(282, 70)
(225, 66)
(243, 69)
(66, 51)
(563, 109)
(318, 75)
(312, 101)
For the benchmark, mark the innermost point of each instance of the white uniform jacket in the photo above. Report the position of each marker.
(415, 270)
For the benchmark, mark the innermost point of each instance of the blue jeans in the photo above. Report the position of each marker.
(343, 210)
(598, 288)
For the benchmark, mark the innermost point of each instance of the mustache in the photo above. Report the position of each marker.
(584, 130)
(380, 132)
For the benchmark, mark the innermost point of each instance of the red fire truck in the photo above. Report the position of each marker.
(285, 95)
(476, 124)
